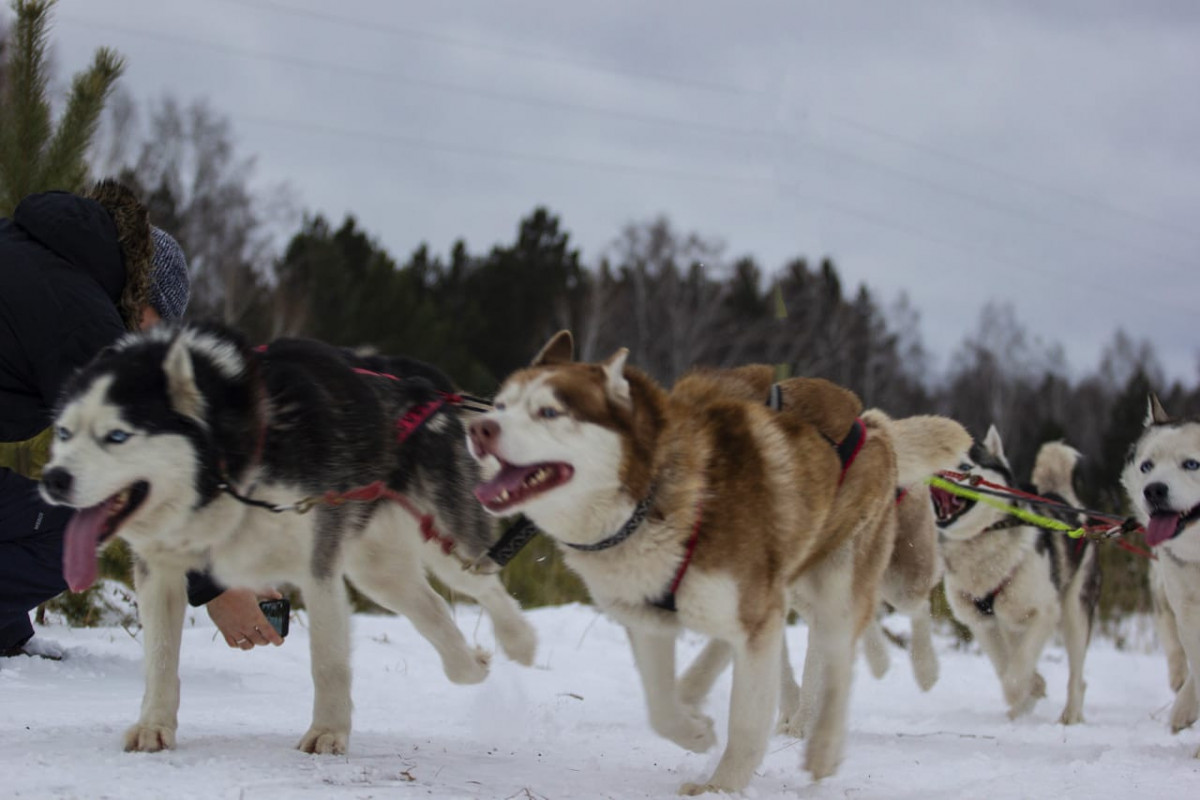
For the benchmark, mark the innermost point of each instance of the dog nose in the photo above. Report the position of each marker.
(58, 483)
(484, 433)
(1156, 494)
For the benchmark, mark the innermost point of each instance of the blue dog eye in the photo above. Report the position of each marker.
(62, 433)
(1146, 466)
(117, 437)
(546, 412)
(1191, 465)
(965, 467)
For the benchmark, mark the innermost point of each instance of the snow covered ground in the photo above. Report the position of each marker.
(572, 727)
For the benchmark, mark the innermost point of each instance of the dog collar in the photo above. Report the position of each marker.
(640, 512)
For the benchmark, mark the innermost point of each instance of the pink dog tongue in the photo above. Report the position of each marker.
(1160, 528)
(509, 477)
(79, 549)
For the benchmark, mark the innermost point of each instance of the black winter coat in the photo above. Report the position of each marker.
(61, 278)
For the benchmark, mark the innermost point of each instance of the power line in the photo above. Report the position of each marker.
(725, 179)
(1105, 289)
(512, 52)
(424, 83)
(986, 203)
(1013, 177)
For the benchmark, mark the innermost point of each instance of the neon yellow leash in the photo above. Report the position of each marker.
(1020, 513)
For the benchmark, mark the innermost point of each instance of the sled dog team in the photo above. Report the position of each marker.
(719, 505)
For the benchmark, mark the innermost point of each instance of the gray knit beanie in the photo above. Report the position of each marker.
(170, 286)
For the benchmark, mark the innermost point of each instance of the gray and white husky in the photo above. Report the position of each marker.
(156, 437)
(1162, 479)
(1013, 584)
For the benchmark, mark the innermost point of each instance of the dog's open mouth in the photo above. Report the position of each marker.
(515, 484)
(1166, 525)
(948, 506)
(91, 527)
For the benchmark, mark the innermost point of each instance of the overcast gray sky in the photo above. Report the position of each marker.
(1043, 154)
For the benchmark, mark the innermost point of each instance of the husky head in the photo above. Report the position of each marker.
(1162, 475)
(142, 435)
(562, 440)
(963, 518)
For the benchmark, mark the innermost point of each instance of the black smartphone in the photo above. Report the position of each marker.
(277, 613)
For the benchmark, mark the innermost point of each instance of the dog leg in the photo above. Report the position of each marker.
(875, 648)
(796, 707)
(515, 635)
(413, 597)
(654, 656)
(789, 690)
(751, 710)
(831, 645)
(329, 639)
(1076, 632)
(162, 599)
(923, 656)
(702, 673)
(1020, 679)
(1168, 633)
(1187, 701)
(386, 564)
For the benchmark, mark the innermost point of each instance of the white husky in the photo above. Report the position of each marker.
(1162, 478)
(1013, 584)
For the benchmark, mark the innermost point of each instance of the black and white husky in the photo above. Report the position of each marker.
(1014, 584)
(164, 438)
(1162, 479)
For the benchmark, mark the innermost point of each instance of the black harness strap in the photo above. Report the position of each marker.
(849, 448)
(511, 542)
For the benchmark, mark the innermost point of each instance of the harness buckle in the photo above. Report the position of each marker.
(306, 504)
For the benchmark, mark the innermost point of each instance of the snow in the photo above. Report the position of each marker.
(573, 726)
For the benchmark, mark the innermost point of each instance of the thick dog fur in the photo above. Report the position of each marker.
(1162, 479)
(578, 446)
(147, 433)
(914, 569)
(1013, 586)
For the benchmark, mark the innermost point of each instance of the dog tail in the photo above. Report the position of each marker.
(924, 444)
(1053, 468)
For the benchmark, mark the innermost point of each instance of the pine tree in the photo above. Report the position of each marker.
(35, 155)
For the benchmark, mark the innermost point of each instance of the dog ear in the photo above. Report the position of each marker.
(1155, 414)
(182, 391)
(993, 445)
(559, 350)
(615, 384)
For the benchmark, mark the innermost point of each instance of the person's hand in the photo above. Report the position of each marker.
(240, 620)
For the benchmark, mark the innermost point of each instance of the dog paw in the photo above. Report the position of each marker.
(1021, 707)
(147, 738)
(822, 756)
(324, 742)
(793, 725)
(1184, 712)
(519, 642)
(926, 672)
(690, 730)
(1037, 688)
(471, 669)
(924, 663)
(1071, 716)
(690, 789)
